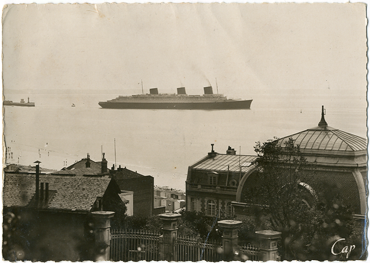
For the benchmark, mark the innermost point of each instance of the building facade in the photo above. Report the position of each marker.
(218, 184)
(140, 185)
(137, 189)
(212, 182)
(172, 200)
(50, 215)
(340, 162)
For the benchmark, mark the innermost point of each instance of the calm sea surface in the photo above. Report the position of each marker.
(161, 143)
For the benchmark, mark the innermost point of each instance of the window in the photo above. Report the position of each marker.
(211, 208)
(212, 179)
(192, 204)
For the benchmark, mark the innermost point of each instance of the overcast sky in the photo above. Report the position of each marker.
(249, 48)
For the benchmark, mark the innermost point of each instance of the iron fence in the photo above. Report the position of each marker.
(249, 252)
(139, 245)
(134, 245)
(196, 249)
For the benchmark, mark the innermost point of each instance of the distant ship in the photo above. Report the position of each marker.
(179, 101)
(22, 103)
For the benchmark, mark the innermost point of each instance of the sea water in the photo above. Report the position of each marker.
(160, 143)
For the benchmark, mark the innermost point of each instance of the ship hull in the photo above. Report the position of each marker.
(224, 105)
(30, 104)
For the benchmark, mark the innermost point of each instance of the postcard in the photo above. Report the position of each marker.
(184, 132)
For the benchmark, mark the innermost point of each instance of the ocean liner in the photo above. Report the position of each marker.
(22, 103)
(179, 101)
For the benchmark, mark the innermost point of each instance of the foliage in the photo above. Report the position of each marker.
(190, 224)
(152, 223)
(197, 223)
(309, 223)
(115, 204)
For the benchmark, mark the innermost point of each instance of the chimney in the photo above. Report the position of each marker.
(212, 153)
(46, 191)
(42, 191)
(153, 91)
(231, 151)
(104, 165)
(37, 179)
(208, 90)
(181, 91)
(88, 161)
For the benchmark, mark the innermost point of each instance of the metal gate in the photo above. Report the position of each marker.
(134, 245)
(195, 249)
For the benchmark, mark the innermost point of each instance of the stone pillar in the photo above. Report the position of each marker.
(102, 235)
(229, 237)
(167, 246)
(268, 240)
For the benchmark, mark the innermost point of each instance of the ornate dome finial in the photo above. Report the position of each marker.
(323, 123)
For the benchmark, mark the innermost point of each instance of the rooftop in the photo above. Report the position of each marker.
(66, 193)
(124, 173)
(226, 162)
(85, 166)
(330, 146)
(18, 168)
(326, 139)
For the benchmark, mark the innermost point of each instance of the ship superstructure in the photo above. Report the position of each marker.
(22, 103)
(181, 100)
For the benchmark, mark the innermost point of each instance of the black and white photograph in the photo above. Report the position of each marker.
(184, 132)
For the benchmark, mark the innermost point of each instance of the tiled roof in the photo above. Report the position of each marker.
(69, 193)
(124, 173)
(79, 168)
(327, 139)
(18, 168)
(79, 172)
(220, 162)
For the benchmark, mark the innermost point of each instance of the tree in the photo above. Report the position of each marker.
(284, 194)
(197, 223)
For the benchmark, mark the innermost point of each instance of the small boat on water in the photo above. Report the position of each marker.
(22, 103)
(179, 101)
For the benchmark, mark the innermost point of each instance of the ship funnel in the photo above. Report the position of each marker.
(153, 91)
(208, 90)
(181, 90)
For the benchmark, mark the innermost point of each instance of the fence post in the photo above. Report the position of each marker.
(229, 237)
(167, 250)
(102, 235)
(268, 240)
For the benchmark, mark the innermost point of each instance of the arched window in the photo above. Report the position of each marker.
(211, 208)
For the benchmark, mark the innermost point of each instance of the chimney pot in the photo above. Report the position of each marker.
(231, 151)
(88, 161)
(212, 153)
(104, 165)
